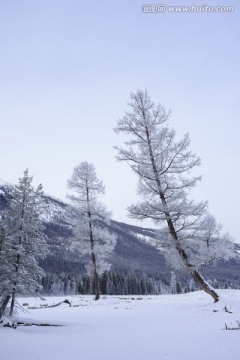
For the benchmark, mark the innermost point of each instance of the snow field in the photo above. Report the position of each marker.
(173, 327)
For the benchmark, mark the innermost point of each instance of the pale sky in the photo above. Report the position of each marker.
(67, 68)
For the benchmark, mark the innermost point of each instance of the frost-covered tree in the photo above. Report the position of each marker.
(191, 285)
(24, 241)
(211, 244)
(91, 237)
(163, 166)
(4, 270)
(208, 245)
(216, 244)
(173, 283)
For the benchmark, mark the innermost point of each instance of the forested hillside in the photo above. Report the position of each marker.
(137, 266)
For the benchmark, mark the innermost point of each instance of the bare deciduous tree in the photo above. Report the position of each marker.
(163, 166)
(212, 244)
(91, 237)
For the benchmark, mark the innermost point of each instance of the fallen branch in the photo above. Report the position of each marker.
(233, 328)
(226, 310)
(51, 306)
(15, 324)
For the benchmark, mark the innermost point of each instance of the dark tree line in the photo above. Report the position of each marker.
(110, 283)
(116, 282)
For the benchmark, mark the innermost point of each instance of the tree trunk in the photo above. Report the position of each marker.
(14, 284)
(4, 305)
(12, 302)
(95, 274)
(197, 277)
(95, 278)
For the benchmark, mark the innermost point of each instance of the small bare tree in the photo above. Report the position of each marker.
(212, 244)
(163, 166)
(92, 238)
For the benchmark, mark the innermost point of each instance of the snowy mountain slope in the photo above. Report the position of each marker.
(186, 326)
(133, 253)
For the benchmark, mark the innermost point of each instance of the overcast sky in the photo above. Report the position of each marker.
(67, 68)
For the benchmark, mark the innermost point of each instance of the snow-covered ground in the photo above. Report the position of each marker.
(171, 327)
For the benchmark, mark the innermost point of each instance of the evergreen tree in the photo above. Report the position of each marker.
(104, 283)
(4, 270)
(173, 283)
(25, 241)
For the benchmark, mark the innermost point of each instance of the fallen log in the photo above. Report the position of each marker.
(66, 301)
(16, 323)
